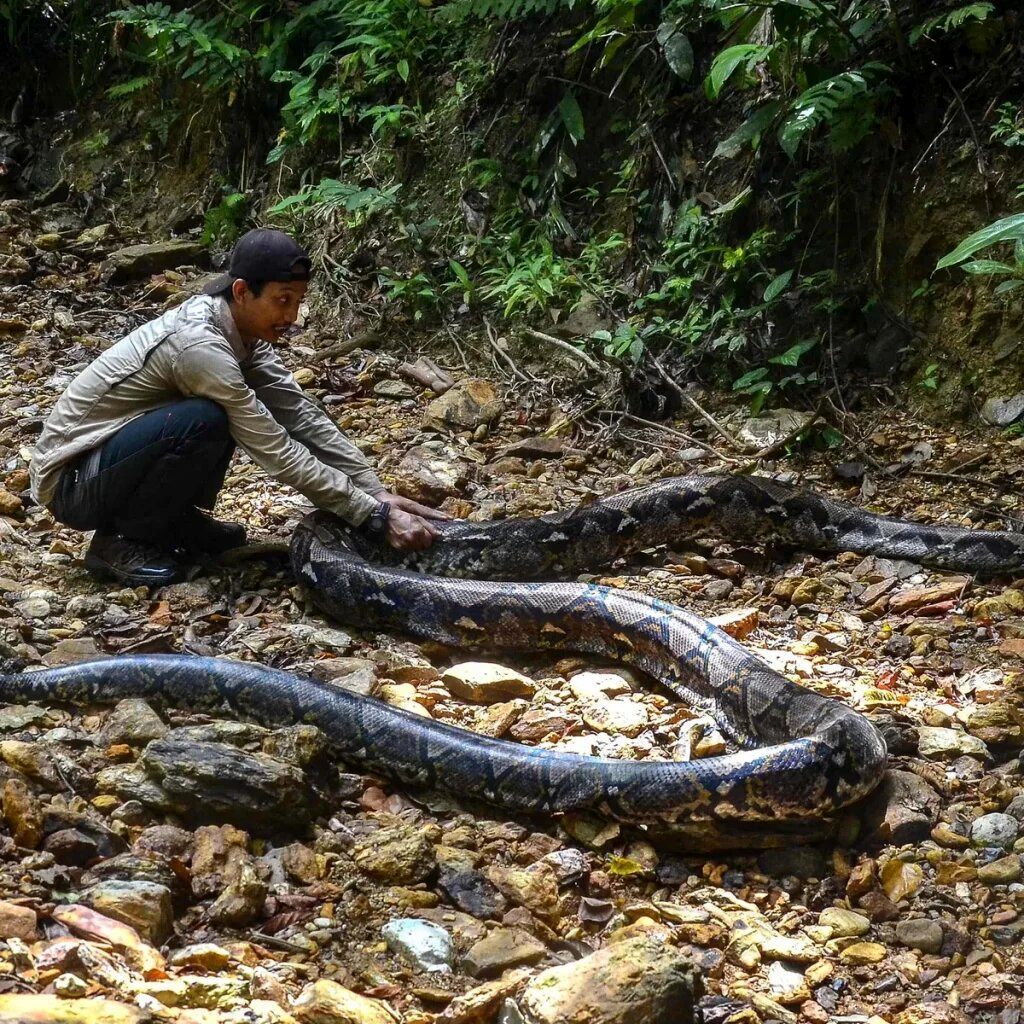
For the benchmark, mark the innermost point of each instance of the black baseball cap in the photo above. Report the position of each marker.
(264, 255)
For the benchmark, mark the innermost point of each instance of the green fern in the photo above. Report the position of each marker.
(461, 11)
(131, 87)
(844, 102)
(951, 20)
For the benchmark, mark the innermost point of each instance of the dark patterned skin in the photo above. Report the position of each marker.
(802, 756)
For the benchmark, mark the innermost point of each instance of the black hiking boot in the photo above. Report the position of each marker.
(198, 532)
(135, 562)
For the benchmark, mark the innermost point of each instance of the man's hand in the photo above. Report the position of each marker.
(409, 532)
(408, 505)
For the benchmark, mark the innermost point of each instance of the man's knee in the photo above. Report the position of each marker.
(205, 417)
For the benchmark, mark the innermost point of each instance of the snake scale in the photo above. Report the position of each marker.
(800, 755)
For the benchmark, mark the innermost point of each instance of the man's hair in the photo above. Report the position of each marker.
(226, 294)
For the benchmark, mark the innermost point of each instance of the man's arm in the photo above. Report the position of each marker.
(208, 369)
(275, 387)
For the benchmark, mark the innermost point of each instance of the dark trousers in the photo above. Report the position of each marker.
(139, 482)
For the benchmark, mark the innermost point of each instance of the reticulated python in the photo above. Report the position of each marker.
(801, 755)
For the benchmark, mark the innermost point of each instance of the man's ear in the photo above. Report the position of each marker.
(238, 289)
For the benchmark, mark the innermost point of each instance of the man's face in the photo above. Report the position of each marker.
(269, 314)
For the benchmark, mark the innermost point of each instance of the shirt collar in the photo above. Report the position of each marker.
(226, 322)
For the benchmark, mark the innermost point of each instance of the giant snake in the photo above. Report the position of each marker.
(801, 755)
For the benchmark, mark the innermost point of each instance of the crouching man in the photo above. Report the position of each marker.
(138, 445)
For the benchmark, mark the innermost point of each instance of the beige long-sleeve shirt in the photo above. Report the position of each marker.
(195, 351)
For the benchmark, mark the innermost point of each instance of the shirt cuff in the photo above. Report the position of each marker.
(357, 508)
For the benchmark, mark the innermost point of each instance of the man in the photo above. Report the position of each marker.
(139, 443)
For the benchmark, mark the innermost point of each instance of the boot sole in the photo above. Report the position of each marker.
(104, 570)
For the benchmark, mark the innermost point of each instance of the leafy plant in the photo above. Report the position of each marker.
(1007, 230)
(190, 45)
(224, 222)
(331, 196)
(759, 383)
(950, 20)
(96, 143)
(929, 380)
(1009, 128)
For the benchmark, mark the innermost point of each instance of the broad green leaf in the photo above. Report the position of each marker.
(403, 70)
(750, 131)
(727, 62)
(677, 49)
(988, 267)
(1008, 286)
(572, 116)
(792, 355)
(752, 377)
(1009, 229)
(778, 285)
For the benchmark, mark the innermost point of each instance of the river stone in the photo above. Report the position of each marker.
(937, 743)
(356, 675)
(902, 809)
(486, 682)
(150, 258)
(500, 949)
(787, 986)
(327, 1002)
(634, 980)
(27, 1007)
(402, 855)
(299, 744)
(72, 650)
(1003, 871)
(471, 892)
(920, 933)
(131, 867)
(939, 1012)
(241, 901)
(534, 448)
(20, 716)
(22, 813)
(218, 782)
(143, 905)
(468, 405)
(861, 954)
(764, 431)
(429, 475)
(535, 887)
(17, 922)
(616, 716)
(426, 946)
(134, 722)
(479, 1005)
(1001, 412)
(999, 724)
(844, 923)
(999, 830)
(205, 955)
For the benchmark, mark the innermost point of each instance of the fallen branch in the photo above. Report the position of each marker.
(365, 339)
(516, 372)
(702, 412)
(565, 347)
(677, 433)
(427, 373)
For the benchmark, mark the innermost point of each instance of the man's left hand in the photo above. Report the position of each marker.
(410, 506)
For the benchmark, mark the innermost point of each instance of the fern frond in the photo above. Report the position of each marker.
(461, 11)
(951, 20)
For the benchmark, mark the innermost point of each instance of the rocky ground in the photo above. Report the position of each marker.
(162, 865)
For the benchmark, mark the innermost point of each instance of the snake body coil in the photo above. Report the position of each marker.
(801, 755)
